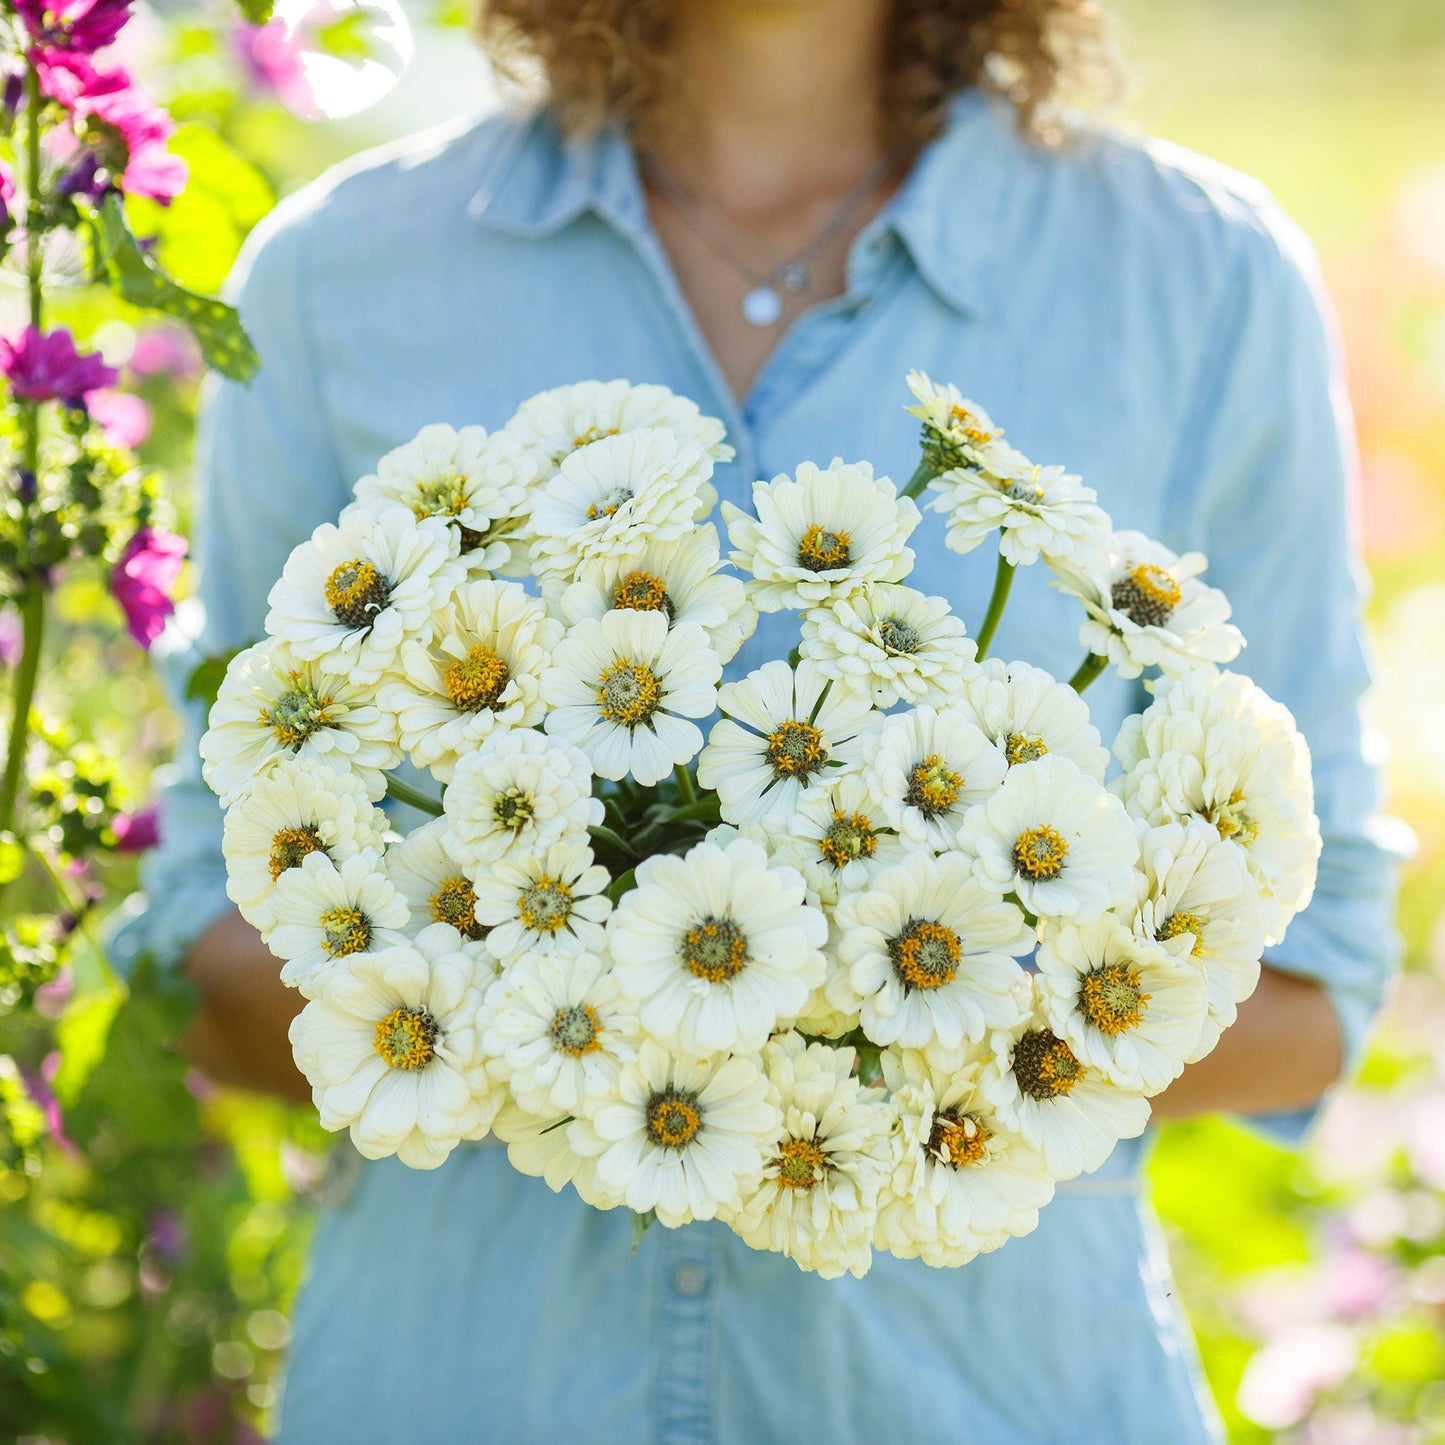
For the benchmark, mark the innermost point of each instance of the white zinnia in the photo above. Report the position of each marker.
(392, 1053)
(778, 736)
(625, 688)
(550, 902)
(817, 1202)
(716, 949)
(557, 1031)
(325, 913)
(1216, 746)
(1148, 608)
(273, 704)
(680, 578)
(964, 1182)
(956, 432)
(679, 1136)
(295, 808)
(1037, 511)
(479, 672)
(928, 767)
(480, 484)
(821, 534)
(889, 643)
(554, 424)
(361, 587)
(1054, 837)
(1027, 714)
(614, 497)
(1125, 1005)
(838, 837)
(1071, 1113)
(519, 794)
(929, 956)
(435, 885)
(1197, 899)
(541, 1146)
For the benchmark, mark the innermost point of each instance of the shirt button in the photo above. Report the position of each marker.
(689, 1280)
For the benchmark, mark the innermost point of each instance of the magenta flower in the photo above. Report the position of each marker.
(7, 196)
(142, 580)
(83, 25)
(135, 832)
(123, 417)
(45, 366)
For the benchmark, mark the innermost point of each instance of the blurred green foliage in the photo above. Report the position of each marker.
(152, 1229)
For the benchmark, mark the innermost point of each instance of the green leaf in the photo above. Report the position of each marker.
(82, 1034)
(641, 1223)
(206, 677)
(258, 12)
(121, 263)
(12, 859)
(624, 884)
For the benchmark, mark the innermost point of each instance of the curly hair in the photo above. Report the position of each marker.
(606, 60)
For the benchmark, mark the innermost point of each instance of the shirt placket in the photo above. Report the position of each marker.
(687, 1294)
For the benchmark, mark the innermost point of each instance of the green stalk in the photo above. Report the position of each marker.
(1003, 579)
(922, 475)
(685, 789)
(32, 617)
(412, 797)
(1089, 669)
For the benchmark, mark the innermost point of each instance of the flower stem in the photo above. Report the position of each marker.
(1089, 669)
(412, 797)
(34, 209)
(32, 620)
(1003, 579)
(685, 789)
(922, 475)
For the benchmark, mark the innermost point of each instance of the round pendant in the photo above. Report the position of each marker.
(762, 306)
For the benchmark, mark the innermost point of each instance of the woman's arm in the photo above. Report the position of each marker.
(1281, 1053)
(238, 1036)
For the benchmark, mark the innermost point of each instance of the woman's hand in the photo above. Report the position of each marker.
(1281, 1053)
(239, 1034)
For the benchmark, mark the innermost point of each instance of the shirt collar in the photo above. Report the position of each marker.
(948, 214)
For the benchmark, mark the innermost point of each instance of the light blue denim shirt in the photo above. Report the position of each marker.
(1138, 314)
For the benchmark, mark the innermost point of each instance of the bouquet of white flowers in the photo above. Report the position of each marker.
(874, 964)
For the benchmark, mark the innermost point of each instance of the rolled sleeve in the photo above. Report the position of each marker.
(1267, 478)
(266, 474)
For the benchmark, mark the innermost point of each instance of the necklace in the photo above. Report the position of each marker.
(763, 304)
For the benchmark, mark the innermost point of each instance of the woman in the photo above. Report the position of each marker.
(778, 207)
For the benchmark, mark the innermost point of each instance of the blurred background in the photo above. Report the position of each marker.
(152, 1229)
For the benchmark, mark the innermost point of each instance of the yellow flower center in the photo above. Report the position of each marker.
(801, 1164)
(1020, 749)
(1146, 595)
(897, 637)
(586, 438)
(850, 836)
(628, 693)
(1232, 820)
(441, 496)
(795, 749)
(957, 1140)
(356, 592)
(455, 902)
(966, 427)
(715, 949)
(1044, 1065)
(925, 954)
(290, 845)
(673, 1119)
(820, 550)
(642, 592)
(545, 906)
(933, 787)
(406, 1038)
(1111, 998)
(1039, 853)
(1017, 490)
(574, 1030)
(344, 930)
(297, 713)
(1178, 923)
(513, 809)
(476, 680)
(608, 503)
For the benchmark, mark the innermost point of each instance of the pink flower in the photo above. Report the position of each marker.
(165, 349)
(7, 195)
(135, 832)
(45, 366)
(142, 580)
(124, 418)
(83, 25)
